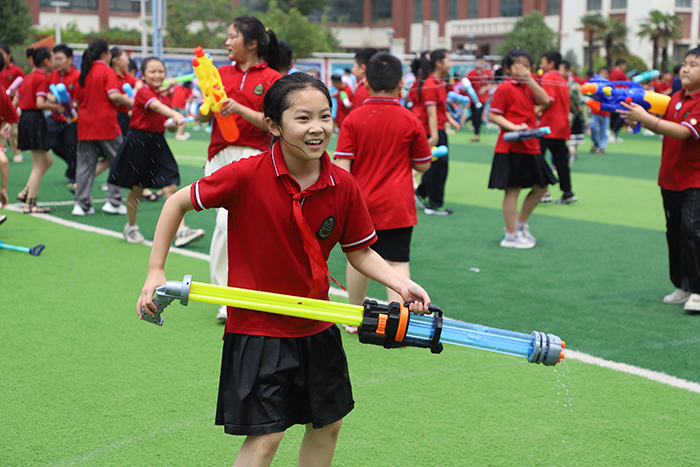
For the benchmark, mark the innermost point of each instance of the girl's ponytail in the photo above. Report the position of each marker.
(252, 29)
(94, 51)
(272, 55)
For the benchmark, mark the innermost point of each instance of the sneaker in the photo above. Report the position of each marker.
(112, 209)
(568, 198)
(350, 329)
(79, 211)
(222, 314)
(441, 211)
(547, 198)
(677, 296)
(693, 303)
(18, 158)
(516, 240)
(185, 236)
(104, 187)
(593, 149)
(524, 229)
(3, 218)
(422, 201)
(132, 234)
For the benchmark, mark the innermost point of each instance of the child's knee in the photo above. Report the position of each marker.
(329, 432)
(266, 445)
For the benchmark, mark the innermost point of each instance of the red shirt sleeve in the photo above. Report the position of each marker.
(359, 229)
(345, 149)
(420, 151)
(7, 111)
(218, 190)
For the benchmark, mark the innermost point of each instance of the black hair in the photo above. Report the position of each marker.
(589, 73)
(132, 65)
(252, 29)
(363, 55)
(694, 52)
(114, 52)
(479, 56)
(567, 64)
(418, 61)
(39, 55)
(286, 56)
(426, 69)
(498, 75)
(29, 52)
(94, 51)
(336, 78)
(2, 62)
(603, 68)
(620, 61)
(282, 92)
(510, 57)
(384, 72)
(677, 69)
(553, 56)
(145, 61)
(63, 48)
(5, 48)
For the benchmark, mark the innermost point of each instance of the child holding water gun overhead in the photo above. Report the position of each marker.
(254, 49)
(519, 164)
(144, 159)
(278, 371)
(679, 179)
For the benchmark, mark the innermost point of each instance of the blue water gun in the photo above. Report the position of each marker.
(128, 90)
(524, 135)
(646, 76)
(466, 84)
(606, 97)
(439, 151)
(59, 90)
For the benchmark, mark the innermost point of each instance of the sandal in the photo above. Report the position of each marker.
(22, 195)
(152, 196)
(475, 139)
(32, 208)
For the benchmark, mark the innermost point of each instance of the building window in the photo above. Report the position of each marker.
(434, 14)
(451, 9)
(618, 5)
(472, 9)
(553, 7)
(511, 8)
(684, 3)
(74, 4)
(128, 5)
(381, 11)
(593, 5)
(417, 11)
(346, 11)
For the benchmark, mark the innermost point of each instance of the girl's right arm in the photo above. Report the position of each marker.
(505, 124)
(432, 125)
(170, 217)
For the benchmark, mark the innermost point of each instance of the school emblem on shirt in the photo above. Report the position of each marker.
(258, 90)
(686, 116)
(326, 228)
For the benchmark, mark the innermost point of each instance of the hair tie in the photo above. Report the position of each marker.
(267, 30)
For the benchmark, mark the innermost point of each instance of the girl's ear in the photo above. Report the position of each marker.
(273, 127)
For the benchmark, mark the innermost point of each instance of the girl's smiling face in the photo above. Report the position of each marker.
(306, 127)
(154, 74)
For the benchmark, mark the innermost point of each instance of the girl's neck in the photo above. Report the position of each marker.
(437, 73)
(305, 172)
(119, 73)
(249, 61)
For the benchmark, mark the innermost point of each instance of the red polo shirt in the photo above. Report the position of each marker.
(180, 96)
(382, 139)
(433, 92)
(142, 118)
(34, 85)
(247, 88)
(516, 102)
(343, 111)
(98, 115)
(680, 159)
(556, 117)
(9, 74)
(618, 75)
(70, 79)
(268, 253)
(360, 94)
(661, 87)
(479, 80)
(7, 111)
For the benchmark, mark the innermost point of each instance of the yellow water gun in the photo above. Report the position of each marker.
(214, 93)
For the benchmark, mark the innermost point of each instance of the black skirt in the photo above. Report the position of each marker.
(517, 170)
(269, 384)
(144, 160)
(32, 132)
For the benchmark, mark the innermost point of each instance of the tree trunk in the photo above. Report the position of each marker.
(655, 54)
(664, 58)
(608, 53)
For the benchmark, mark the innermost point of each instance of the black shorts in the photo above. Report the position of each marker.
(269, 384)
(32, 132)
(394, 244)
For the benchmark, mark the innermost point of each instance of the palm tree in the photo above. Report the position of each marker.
(614, 39)
(671, 32)
(591, 25)
(661, 29)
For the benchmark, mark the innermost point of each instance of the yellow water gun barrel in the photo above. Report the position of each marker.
(658, 102)
(214, 93)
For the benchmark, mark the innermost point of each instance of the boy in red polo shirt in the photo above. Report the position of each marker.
(380, 144)
(343, 97)
(278, 371)
(555, 115)
(8, 75)
(359, 69)
(8, 116)
(481, 78)
(679, 179)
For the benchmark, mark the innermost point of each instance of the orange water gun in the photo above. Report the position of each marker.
(214, 93)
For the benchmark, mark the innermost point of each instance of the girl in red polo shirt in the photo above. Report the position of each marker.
(256, 53)
(119, 62)
(519, 164)
(278, 371)
(33, 133)
(145, 159)
(8, 116)
(10, 75)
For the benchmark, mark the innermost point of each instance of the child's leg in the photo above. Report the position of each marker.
(259, 450)
(132, 204)
(404, 269)
(318, 445)
(531, 200)
(510, 208)
(102, 165)
(357, 285)
(41, 161)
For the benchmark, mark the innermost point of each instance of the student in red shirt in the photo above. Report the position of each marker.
(99, 133)
(617, 73)
(380, 144)
(600, 123)
(555, 115)
(63, 134)
(285, 251)
(481, 78)
(8, 116)
(119, 61)
(679, 179)
(8, 76)
(182, 94)
(520, 164)
(343, 97)
(359, 69)
(432, 104)
(664, 85)
(255, 51)
(144, 159)
(33, 133)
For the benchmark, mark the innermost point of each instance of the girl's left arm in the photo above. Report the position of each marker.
(369, 263)
(230, 106)
(43, 104)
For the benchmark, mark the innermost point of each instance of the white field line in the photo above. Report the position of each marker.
(570, 354)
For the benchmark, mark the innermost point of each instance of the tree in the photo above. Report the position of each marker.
(614, 39)
(199, 23)
(661, 29)
(531, 33)
(303, 6)
(591, 25)
(303, 36)
(15, 22)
